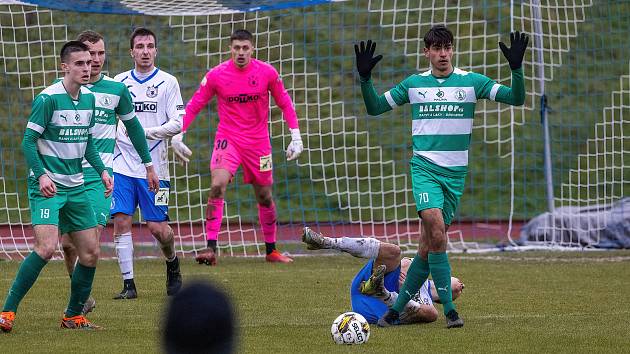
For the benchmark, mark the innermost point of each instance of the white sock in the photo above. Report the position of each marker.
(364, 247)
(389, 298)
(411, 308)
(124, 252)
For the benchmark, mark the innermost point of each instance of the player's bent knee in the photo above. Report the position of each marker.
(396, 252)
(155, 228)
(438, 244)
(68, 249)
(162, 232)
(167, 238)
(389, 253)
(122, 223)
(89, 257)
(431, 316)
(45, 252)
(67, 245)
(418, 313)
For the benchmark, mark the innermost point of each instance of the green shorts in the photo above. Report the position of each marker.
(433, 190)
(96, 193)
(70, 209)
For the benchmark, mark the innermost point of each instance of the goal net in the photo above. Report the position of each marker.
(352, 178)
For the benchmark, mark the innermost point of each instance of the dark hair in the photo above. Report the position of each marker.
(90, 36)
(241, 35)
(71, 47)
(141, 31)
(439, 35)
(199, 319)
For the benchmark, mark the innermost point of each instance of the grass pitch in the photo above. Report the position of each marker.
(513, 303)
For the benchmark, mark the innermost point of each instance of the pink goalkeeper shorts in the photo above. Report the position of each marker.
(255, 159)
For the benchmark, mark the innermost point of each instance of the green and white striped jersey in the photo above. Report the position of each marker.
(63, 126)
(442, 113)
(112, 99)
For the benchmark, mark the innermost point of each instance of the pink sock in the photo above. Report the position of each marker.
(214, 216)
(267, 218)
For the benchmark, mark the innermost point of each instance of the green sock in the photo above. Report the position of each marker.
(24, 279)
(416, 276)
(80, 288)
(441, 273)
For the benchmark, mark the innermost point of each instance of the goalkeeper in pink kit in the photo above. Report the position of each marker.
(242, 85)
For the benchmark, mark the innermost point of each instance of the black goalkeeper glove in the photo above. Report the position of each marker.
(366, 59)
(514, 54)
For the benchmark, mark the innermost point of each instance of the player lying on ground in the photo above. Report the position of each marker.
(375, 287)
(442, 110)
(242, 86)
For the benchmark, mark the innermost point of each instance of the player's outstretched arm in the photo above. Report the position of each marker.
(516, 52)
(164, 131)
(366, 61)
(174, 113)
(516, 94)
(199, 100)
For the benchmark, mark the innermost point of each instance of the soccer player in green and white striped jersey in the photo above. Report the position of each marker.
(112, 100)
(58, 137)
(442, 108)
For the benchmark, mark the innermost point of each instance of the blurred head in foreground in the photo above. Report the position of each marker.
(199, 319)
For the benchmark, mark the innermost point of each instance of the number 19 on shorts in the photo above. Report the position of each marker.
(45, 213)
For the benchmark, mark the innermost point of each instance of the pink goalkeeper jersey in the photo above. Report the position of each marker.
(242, 100)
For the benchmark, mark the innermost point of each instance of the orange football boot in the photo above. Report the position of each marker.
(277, 257)
(6, 321)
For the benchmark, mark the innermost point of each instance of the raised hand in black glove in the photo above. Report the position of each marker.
(514, 54)
(366, 59)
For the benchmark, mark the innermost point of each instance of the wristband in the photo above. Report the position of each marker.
(295, 134)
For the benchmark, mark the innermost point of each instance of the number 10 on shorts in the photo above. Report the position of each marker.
(423, 197)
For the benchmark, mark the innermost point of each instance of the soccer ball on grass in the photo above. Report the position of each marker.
(350, 328)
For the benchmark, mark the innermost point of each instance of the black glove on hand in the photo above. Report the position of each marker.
(514, 55)
(365, 58)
